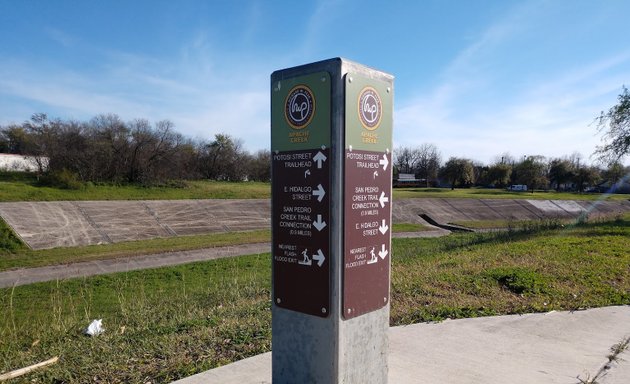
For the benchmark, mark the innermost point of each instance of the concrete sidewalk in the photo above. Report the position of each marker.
(555, 347)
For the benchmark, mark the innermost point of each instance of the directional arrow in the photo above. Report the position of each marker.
(319, 159)
(307, 172)
(319, 192)
(375, 174)
(383, 228)
(319, 257)
(319, 224)
(383, 252)
(383, 199)
(384, 162)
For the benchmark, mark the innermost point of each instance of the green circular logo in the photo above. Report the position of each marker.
(299, 107)
(370, 108)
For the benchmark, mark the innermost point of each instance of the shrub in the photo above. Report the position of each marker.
(64, 179)
(8, 240)
(519, 280)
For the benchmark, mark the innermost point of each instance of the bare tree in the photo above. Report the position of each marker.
(504, 158)
(428, 163)
(615, 123)
(41, 140)
(406, 159)
(260, 166)
(112, 141)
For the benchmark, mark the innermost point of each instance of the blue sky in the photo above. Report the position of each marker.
(475, 78)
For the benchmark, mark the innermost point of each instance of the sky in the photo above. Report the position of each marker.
(475, 78)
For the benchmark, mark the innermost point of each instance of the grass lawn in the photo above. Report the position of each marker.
(168, 323)
(499, 273)
(160, 324)
(410, 227)
(485, 193)
(24, 187)
(20, 256)
(14, 254)
(506, 224)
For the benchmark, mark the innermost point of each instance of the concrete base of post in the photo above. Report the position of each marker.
(309, 349)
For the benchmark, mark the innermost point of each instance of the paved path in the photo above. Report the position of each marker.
(553, 348)
(25, 276)
(67, 271)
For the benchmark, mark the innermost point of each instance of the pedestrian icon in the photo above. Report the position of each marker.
(307, 260)
(374, 259)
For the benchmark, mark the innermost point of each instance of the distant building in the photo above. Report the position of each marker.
(517, 187)
(20, 163)
(622, 186)
(407, 180)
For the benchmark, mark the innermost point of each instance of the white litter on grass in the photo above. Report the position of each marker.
(95, 328)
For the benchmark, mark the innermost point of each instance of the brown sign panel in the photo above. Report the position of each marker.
(367, 226)
(301, 241)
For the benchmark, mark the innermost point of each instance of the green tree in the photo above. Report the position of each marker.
(587, 176)
(615, 172)
(532, 171)
(499, 174)
(561, 171)
(223, 159)
(14, 139)
(458, 172)
(615, 123)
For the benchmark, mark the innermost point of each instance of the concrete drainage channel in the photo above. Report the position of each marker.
(448, 227)
(65, 224)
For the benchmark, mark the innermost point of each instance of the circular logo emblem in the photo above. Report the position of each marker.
(299, 107)
(370, 108)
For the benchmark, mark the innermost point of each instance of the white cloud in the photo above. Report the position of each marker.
(472, 114)
(204, 89)
(61, 37)
(186, 89)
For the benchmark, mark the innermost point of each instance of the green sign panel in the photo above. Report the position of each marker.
(368, 114)
(300, 112)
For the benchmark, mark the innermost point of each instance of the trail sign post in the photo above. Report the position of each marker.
(301, 193)
(331, 140)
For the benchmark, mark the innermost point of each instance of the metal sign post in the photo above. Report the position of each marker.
(331, 140)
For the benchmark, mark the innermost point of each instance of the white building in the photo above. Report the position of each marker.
(19, 163)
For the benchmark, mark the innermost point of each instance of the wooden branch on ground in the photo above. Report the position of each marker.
(25, 370)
